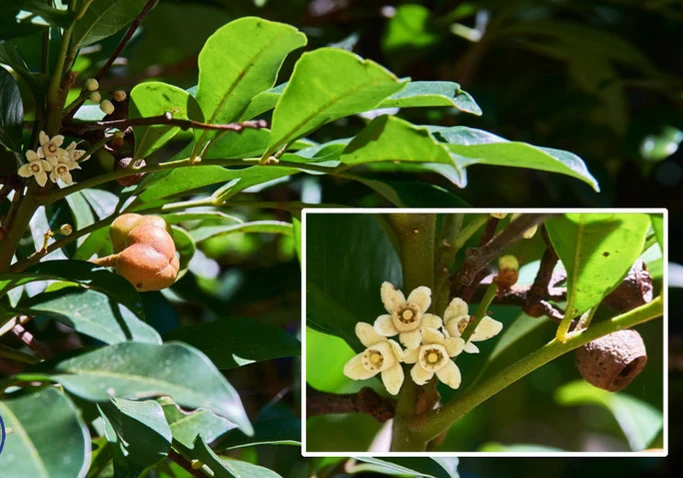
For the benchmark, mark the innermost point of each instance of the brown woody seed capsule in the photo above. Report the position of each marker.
(613, 361)
(119, 95)
(635, 290)
(134, 178)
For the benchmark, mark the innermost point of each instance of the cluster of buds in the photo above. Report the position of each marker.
(52, 158)
(107, 107)
(429, 342)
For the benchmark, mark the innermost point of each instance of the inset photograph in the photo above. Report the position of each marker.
(524, 333)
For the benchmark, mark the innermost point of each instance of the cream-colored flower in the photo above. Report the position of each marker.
(61, 170)
(76, 155)
(50, 148)
(433, 357)
(382, 355)
(406, 317)
(456, 318)
(529, 233)
(36, 166)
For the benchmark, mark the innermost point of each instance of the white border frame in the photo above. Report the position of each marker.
(665, 354)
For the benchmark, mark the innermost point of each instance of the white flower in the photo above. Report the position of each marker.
(36, 166)
(76, 154)
(529, 233)
(456, 319)
(50, 147)
(432, 357)
(406, 317)
(60, 170)
(381, 356)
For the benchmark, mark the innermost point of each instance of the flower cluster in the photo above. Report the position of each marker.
(430, 342)
(52, 158)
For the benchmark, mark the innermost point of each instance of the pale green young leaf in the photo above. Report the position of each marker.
(103, 18)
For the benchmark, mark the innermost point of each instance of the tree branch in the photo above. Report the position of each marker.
(365, 401)
(82, 127)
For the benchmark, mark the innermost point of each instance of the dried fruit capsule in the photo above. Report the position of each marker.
(613, 361)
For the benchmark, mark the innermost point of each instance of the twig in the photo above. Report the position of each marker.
(365, 401)
(184, 464)
(122, 44)
(165, 119)
(465, 291)
(534, 304)
(39, 348)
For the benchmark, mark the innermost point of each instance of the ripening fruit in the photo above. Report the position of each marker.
(119, 95)
(107, 107)
(144, 251)
(95, 97)
(91, 84)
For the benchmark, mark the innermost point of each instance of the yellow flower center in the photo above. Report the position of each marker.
(51, 148)
(462, 324)
(375, 357)
(433, 357)
(35, 168)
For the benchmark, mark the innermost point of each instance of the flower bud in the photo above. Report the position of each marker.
(499, 215)
(613, 361)
(119, 95)
(66, 229)
(91, 84)
(107, 107)
(95, 97)
(508, 271)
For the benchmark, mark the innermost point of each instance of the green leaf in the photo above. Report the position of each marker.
(658, 226)
(155, 98)
(481, 147)
(432, 93)
(260, 227)
(103, 18)
(263, 102)
(340, 247)
(411, 28)
(422, 467)
(248, 143)
(390, 139)
(187, 179)
(236, 341)
(414, 194)
(137, 371)
(11, 112)
(639, 421)
(337, 352)
(46, 437)
(657, 147)
(186, 247)
(80, 211)
(186, 426)
(230, 77)
(227, 467)
(141, 428)
(199, 215)
(91, 313)
(102, 202)
(328, 84)
(597, 251)
(281, 431)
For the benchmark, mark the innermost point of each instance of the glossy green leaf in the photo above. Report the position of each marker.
(46, 437)
(200, 215)
(186, 247)
(339, 247)
(249, 143)
(432, 93)
(597, 251)
(93, 244)
(230, 77)
(656, 147)
(102, 202)
(281, 431)
(476, 146)
(227, 467)
(236, 341)
(390, 139)
(414, 194)
(264, 101)
(658, 226)
(328, 84)
(155, 98)
(422, 467)
(188, 179)
(137, 371)
(141, 429)
(11, 112)
(260, 227)
(639, 421)
(297, 231)
(91, 313)
(103, 18)
(187, 426)
(337, 352)
(80, 211)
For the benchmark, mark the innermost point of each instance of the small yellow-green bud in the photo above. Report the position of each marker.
(66, 229)
(91, 84)
(196, 464)
(95, 97)
(508, 271)
(119, 95)
(107, 106)
(499, 215)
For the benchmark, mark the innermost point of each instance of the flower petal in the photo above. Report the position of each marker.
(419, 375)
(410, 339)
(25, 171)
(454, 346)
(32, 155)
(367, 335)
(450, 374)
(46, 165)
(41, 178)
(392, 298)
(452, 325)
(74, 165)
(470, 348)
(430, 321)
(432, 336)
(355, 371)
(58, 140)
(393, 378)
(385, 326)
(456, 308)
(486, 329)
(411, 355)
(66, 177)
(43, 138)
(421, 297)
(398, 351)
